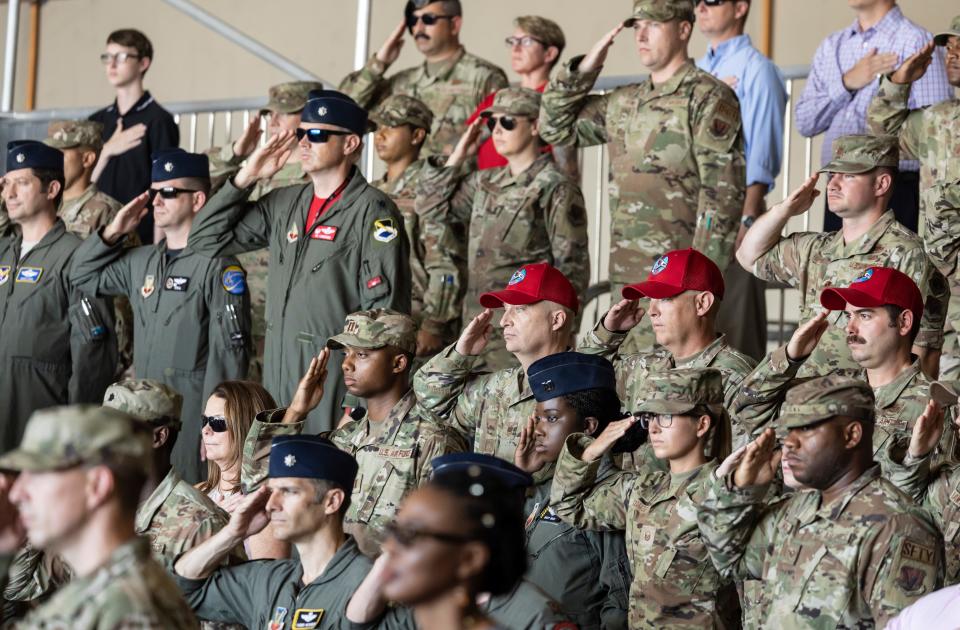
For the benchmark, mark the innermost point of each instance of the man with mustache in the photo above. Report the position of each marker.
(860, 185)
(931, 135)
(451, 81)
(853, 551)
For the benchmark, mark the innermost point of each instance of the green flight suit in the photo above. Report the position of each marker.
(48, 354)
(355, 257)
(257, 593)
(191, 323)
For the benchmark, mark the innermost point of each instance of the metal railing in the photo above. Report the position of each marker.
(207, 124)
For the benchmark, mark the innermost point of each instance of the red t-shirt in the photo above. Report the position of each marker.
(487, 156)
(319, 207)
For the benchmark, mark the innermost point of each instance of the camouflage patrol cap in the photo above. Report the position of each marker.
(62, 437)
(661, 11)
(819, 399)
(940, 39)
(66, 134)
(290, 97)
(515, 101)
(862, 153)
(375, 329)
(547, 31)
(146, 400)
(400, 109)
(681, 390)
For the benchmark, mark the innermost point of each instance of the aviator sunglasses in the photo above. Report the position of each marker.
(509, 123)
(428, 19)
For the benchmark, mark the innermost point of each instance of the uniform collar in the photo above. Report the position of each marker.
(148, 508)
(888, 394)
(355, 187)
(142, 103)
(523, 391)
(833, 512)
(671, 85)
(409, 174)
(837, 249)
(443, 70)
(505, 178)
(345, 557)
(53, 235)
(394, 420)
(705, 357)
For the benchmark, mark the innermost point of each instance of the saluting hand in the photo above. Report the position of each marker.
(598, 54)
(806, 337)
(606, 440)
(127, 218)
(391, 48)
(914, 66)
(266, 160)
(250, 518)
(247, 141)
(927, 431)
(800, 200)
(468, 144)
(623, 316)
(309, 390)
(475, 336)
(525, 457)
(760, 461)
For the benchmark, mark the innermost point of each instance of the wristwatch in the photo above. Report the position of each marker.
(747, 222)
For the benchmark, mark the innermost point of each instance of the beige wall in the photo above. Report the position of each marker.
(193, 63)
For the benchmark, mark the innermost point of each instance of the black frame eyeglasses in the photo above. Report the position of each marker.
(169, 192)
(317, 136)
(645, 419)
(218, 424)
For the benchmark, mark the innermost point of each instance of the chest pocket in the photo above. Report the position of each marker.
(382, 488)
(662, 136)
(549, 534)
(817, 570)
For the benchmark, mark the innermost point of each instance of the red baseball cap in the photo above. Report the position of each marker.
(534, 283)
(877, 286)
(675, 272)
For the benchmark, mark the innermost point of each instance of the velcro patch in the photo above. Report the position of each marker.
(233, 279)
(306, 618)
(395, 453)
(324, 232)
(549, 515)
(30, 275)
(916, 552)
(375, 281)
(4, 273)
(911, 579)
(176, 283)
(384, 230)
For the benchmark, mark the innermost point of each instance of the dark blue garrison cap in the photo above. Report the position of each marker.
(568, 372)
(479, 465)
(176, 163)
(311, 457)
(335, 108)
(33, 154)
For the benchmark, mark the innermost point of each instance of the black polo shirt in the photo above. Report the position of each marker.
(128, 175)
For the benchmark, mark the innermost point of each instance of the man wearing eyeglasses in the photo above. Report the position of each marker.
(676, 149)
(450, 81)
(932, 135)
(135, 126)
(57, 346)
(191, 312)
(525, 212)
(337, 245)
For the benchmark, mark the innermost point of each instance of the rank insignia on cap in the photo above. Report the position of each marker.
(234, 282)
(384, 231)
(660, 265)
(548, 386)
(351, 327)
(148, 286)
(306, 618)
(293, 234)
(20, 158)
(168, 167)
(321, 111)
(517, 277)
(4, 273)
(866, 276)
(29, 275)
(289, 461)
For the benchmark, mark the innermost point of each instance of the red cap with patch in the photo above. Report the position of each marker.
(534, 283)
(675, 272)
(877, 287)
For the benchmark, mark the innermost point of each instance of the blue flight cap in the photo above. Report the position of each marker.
(568, 372)
(176, 163)
(335, 108)
(33, 154)
(479, 465)
(311, 457)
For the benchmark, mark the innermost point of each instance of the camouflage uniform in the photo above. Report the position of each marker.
(393, 456)
(538, 215)
(677, 166)
(811, 261)
(436, 264)
(674, 585)
(286, 98)
(943, 247)
(451, 89)
(853, 563)
(131, 589)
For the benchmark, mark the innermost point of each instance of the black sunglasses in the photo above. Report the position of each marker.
(169, 192)
(320, 135)
(407, 536)
(713, 3)
(218, 424)
(509, 123)
(429, 19)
